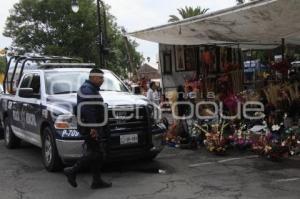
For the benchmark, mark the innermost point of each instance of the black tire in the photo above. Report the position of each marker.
(51, 159)
(10, 139)
(150, 158)
(1, 133)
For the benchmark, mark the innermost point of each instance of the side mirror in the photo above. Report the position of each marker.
(26, 92)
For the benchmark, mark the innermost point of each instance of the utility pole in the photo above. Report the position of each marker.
(100, 36)
(132, 68)
(102, 30)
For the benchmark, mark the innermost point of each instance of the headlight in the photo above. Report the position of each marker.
(66, 122)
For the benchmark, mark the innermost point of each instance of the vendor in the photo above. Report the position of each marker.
(181, 108)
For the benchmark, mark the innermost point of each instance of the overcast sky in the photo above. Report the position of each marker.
(134, 15)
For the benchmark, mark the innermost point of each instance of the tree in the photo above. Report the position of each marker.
(50, 27)
(188, 12)
(2, 64)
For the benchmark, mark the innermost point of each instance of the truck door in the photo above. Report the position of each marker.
(18, 115)
(31, 109)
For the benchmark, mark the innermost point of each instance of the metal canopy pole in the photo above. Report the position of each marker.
(283, 49)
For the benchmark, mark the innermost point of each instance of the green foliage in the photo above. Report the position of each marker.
(188, 12)
(2, 64)
(50, 27)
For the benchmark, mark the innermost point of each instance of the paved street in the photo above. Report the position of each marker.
(189, 174)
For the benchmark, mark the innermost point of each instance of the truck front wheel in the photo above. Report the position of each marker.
(51, 159)
(11, 141)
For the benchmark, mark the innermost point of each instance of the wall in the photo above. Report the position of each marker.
(174, 79)
(225, 60)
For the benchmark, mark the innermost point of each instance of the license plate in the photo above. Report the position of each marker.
(129, 139)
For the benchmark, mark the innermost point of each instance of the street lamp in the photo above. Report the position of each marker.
(101, 39)
(75, 6)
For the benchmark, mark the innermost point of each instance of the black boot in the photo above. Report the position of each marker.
(71, 172)
(71, 176)
(100, 184)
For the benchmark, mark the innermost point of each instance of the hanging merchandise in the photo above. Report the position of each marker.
(281, 67)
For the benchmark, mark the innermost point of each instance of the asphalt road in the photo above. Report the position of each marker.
(180, 174)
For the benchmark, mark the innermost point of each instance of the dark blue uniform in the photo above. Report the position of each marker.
(91, 114)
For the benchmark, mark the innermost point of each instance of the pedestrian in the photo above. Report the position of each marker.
(90, 115)
(152, 94)
(159, 93)
(191, 97)
(181, 107)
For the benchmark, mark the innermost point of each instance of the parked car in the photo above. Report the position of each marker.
(42, 112)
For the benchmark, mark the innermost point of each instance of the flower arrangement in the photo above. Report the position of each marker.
(215, 139)
(273, 143)
(241, 138)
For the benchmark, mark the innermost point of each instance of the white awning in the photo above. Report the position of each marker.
(257, 24)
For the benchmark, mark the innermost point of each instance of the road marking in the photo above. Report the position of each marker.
(200, 164)
(240, 158)
(228, 160)
(287, 180)
(223, 161)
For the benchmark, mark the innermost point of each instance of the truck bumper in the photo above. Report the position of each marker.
(72, 149)
(69, 149)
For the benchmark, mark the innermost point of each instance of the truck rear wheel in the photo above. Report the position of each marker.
(10, 139)
(150, 158)
(51, 159)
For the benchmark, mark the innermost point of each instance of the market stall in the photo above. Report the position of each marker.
(203, 54)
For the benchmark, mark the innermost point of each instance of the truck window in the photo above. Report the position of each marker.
(32, 81)
(64, 83)
(36, 84)
(26, 81)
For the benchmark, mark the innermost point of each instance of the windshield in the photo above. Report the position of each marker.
(296, 65)
(70, 82)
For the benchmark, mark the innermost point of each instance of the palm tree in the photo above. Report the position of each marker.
(188, 12)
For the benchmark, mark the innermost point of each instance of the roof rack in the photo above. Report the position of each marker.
(66, 65)
(25, 59)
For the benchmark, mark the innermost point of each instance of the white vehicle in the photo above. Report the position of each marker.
(1, 88)
(295, 69)
(42, 112)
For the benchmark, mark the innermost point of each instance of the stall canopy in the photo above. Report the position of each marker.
(260, 23)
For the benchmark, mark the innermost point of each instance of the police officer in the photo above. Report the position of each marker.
(89, 115)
